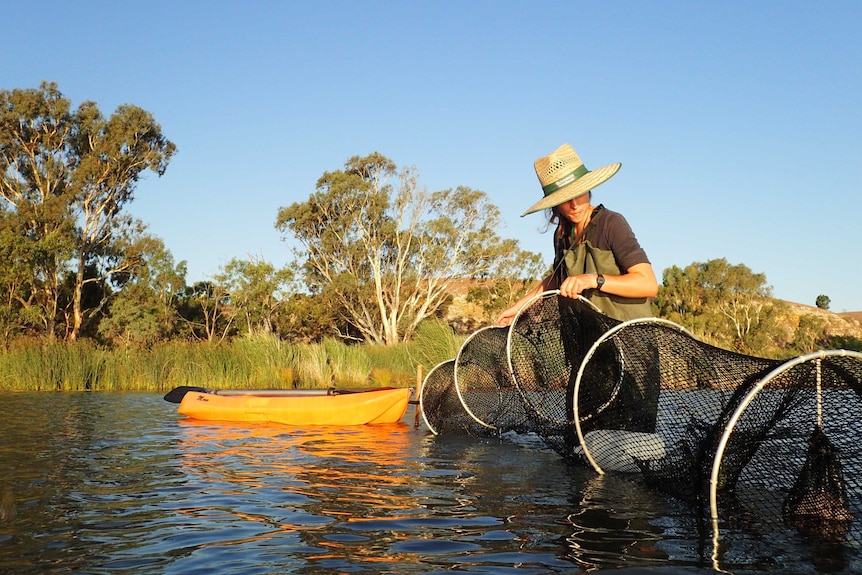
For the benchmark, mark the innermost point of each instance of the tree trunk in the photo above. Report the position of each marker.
(78, 291)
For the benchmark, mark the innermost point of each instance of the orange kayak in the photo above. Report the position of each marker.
(298, 407)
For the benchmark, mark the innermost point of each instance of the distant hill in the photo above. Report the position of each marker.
(846, 324)
(466, 317)
(852, 315)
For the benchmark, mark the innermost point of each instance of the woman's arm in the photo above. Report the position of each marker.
(639, 281)
(508, 314)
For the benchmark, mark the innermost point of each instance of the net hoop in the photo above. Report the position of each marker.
(534, 409)
(740, 409)
(449, 365)
(604, 337)
(460, 385)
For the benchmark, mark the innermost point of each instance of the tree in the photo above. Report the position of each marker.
(823, 301)
(514, 275)
(68, 176)
(723, 303)
(386, 252)
(807, 333)
(133, 318)
(14, 281)
(36, 128)
(257, 292)
(206, 309)
(145, 311)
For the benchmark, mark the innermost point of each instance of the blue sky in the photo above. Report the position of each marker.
(738, 124)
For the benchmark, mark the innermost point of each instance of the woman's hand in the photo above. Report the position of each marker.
(638, 282)
(573, 285)
(506, 316)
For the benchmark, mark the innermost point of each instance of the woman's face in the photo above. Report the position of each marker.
(577, 209)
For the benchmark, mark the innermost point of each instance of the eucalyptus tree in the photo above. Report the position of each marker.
(258, 292)
(386, 252)
(207, 312)
(68, 176)
(726, 304)
(36, 129)
(145, 310)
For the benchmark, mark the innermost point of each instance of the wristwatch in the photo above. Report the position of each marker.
(600, 281)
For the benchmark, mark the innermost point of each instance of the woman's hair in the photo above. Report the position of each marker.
(563, 229)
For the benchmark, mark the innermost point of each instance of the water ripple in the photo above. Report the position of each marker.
(120, 484)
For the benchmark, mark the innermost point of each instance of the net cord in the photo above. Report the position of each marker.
(604, 337)
(819, 394)
(743, 405)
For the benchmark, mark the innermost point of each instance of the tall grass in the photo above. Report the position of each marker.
(259, 361)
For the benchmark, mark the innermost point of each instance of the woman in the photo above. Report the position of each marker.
(596, 254)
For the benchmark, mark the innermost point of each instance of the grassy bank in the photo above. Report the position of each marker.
(245, 363)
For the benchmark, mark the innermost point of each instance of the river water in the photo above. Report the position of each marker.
(119, 483)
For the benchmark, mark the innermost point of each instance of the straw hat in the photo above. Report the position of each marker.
(564, 177)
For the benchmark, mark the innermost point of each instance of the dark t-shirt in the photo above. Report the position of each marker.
(609, 247)
(609, 231)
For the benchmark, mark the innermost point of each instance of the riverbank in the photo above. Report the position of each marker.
(244, 363)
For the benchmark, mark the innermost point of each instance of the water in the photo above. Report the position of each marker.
(119, 483)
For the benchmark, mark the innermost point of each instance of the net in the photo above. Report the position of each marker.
(546, 342)
(485, 385)
(671, 390)
(440, 405)
(775, 441)
(789, 453)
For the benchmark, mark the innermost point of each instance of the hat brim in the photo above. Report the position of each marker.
(577, 188)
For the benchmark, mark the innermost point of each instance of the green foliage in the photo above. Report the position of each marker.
(511, 276)
(306, 319)
(258, 292)
(205, 308)
(65, 179)
(435, 341)
(395, 359)
(384, 252)
(844, 342)
(823, 301)
(349, 364)
(133, 319)
(143, 311)
(807, 334)
(727, 305)
(58, 366)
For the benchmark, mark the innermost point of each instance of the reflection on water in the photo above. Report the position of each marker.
(119, 483)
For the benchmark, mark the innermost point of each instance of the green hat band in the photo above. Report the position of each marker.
(565, 180)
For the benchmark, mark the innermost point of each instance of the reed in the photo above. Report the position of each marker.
(258, 361)
(351, 365)
(435, 341)
(56, 366)
(312, 366)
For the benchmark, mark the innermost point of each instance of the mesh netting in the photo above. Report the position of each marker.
(484, 383)
(440, 405)
(671, 390)
(774, 440)
(546, 342)
(789, 450)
